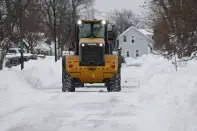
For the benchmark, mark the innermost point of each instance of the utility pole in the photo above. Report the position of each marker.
(73, 27)
(21, 37)
(55, 42)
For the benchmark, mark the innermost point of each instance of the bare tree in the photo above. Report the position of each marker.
(33, 19)
(123, 19)
(10, 12)
(180, 17)
(67, 13)
(33, 26)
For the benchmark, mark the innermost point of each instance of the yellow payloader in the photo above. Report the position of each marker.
(96, 57)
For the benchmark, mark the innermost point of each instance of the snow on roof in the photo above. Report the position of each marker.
(43, 46)
(141, 31)
(147, 32)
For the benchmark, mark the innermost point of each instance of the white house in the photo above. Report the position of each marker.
(135, 42)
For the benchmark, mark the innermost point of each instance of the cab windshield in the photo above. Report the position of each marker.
(92, 30)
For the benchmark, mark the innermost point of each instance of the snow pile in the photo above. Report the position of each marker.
(36, 74)
(42, 73)
(165, 100)
(169, 98)
(144, 68)
(19, 88)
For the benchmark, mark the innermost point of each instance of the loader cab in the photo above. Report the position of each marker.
(91, 29)
(92, 37)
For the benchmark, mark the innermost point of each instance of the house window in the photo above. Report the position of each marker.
(132, 39)
(128, 54)
(137, 53)
(125, 38)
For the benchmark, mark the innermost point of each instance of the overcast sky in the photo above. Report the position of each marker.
(109, 5)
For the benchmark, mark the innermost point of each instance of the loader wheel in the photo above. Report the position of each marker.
(119, 71)
(67, 83)
(114, 84)
(79, 84)
(82, 85)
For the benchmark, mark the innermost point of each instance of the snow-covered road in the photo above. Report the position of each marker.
(154, 98)
(87, 109)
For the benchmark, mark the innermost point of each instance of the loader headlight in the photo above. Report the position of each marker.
(83, 45)
(79, 22)
(101, 44)
(103, 22)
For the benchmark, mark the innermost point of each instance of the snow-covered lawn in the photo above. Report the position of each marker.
(154, 97)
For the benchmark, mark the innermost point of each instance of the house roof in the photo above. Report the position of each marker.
(141, 31)
(147, 32)
(42, 45)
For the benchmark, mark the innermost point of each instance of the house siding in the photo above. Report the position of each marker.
(141, 43)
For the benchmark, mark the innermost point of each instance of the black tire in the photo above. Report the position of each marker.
(79, 84)
(119, 72)
(82, 85)
(114, 85)
(107, 84)
(108, 87)
(68, 83)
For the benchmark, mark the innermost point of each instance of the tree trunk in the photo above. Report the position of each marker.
(3, 51)
(1, 60)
